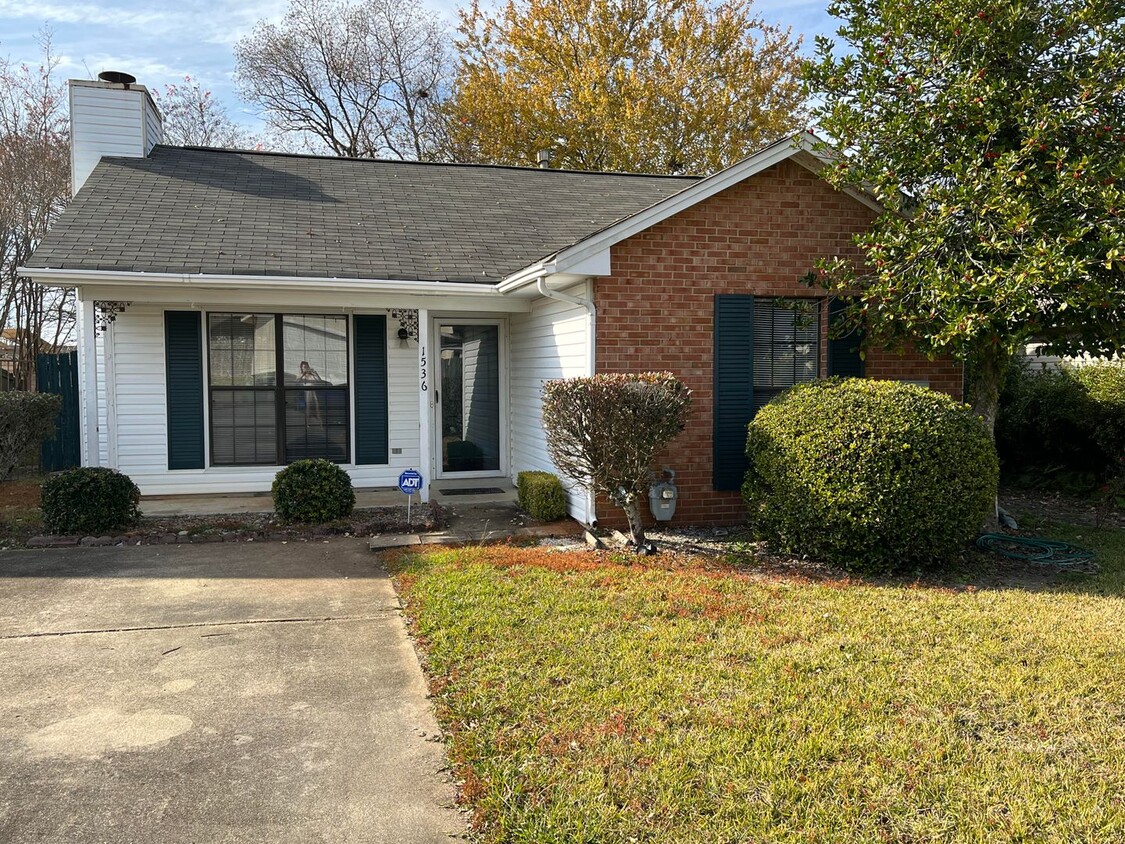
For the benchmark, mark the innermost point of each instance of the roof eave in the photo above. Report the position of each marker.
(51, 277)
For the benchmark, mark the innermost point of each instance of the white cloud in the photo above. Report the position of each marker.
(149, 71)
(85, 13)
(229, 25)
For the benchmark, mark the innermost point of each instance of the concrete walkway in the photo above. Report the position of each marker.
(216, 693)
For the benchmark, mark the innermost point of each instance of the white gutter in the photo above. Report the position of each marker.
(527, 275)
(592, 311)
(72, 278)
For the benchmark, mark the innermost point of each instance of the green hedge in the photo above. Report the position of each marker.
(313, 492)
(27, 420)
(1062, 428)
(89, 501)
(871, 475)
(541, 495)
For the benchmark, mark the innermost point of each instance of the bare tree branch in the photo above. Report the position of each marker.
(365, 79)
(34, 189)
(192, 117)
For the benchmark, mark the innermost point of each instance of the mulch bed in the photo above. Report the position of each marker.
(256, 527)
(20, 492)
(1056, 507)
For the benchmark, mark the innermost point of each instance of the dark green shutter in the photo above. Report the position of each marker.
(843, 352)
(183, 371)
(371, 435)
(733, 388)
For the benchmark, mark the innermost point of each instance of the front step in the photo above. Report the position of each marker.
(461, 494)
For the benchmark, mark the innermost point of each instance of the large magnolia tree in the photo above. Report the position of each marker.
(653, 85)
(993, 131)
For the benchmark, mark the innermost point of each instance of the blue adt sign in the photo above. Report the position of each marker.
(410, 482)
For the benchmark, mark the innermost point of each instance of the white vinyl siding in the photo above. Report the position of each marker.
(108, 121)
(154, 131)
(552, 341)
(141, 431)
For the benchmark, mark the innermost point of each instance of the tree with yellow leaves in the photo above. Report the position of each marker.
(659, 86)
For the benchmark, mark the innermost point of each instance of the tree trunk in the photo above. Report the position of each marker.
(632, 508)
(986, 377)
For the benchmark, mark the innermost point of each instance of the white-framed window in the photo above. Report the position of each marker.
(278, 388)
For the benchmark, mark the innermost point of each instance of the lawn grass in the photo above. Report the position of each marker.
(591, 701)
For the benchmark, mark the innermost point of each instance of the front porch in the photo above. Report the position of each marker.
(447, 493)
(201, 401)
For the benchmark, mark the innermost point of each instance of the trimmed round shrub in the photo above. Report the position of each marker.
(313, 491)
(874, 476)
(541, 495)
(89, 501)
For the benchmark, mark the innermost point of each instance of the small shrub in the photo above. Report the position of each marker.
(604, 432)
(541, 495)
(89, 501)
(874, 476)
(313, 491)
(1105, 385)
(27, 420)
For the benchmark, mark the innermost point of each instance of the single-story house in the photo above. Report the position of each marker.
(241, 310)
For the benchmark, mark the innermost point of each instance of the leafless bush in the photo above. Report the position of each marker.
(605, 431)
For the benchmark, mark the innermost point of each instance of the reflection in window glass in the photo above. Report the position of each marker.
(262, 416)
(470, 398)
(316, 350)
(316, 424)
(786, 345)
(243, 350)
(243, 426)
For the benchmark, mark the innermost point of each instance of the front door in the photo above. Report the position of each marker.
(471, 441)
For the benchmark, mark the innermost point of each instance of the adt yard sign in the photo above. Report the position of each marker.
(410, 482)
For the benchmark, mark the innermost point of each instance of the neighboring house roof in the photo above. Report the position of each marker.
(222, 212)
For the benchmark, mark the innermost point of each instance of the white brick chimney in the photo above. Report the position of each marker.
(112, 116)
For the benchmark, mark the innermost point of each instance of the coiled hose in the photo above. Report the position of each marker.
(1032, 549)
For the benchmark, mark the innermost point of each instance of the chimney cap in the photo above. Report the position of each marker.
(117, 77)
(544, 159)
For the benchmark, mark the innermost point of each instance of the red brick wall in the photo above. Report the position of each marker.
(656, 311)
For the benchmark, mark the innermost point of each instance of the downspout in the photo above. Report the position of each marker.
(592, 312)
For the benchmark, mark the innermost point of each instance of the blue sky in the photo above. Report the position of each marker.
(160, 42)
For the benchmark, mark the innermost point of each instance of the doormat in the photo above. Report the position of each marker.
(473, 490)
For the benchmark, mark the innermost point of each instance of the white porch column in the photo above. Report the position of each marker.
(110, 389)
(427, 360)
(88, 378)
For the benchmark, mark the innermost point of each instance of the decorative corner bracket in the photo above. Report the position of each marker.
(407, 318)
(106, 312)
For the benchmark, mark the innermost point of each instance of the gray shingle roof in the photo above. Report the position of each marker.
(199, 210)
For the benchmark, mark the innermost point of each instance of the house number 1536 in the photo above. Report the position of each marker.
(422, 363)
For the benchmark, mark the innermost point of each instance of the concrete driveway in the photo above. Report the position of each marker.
(213, 693)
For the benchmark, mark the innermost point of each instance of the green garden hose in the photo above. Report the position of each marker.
(1031, 549)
